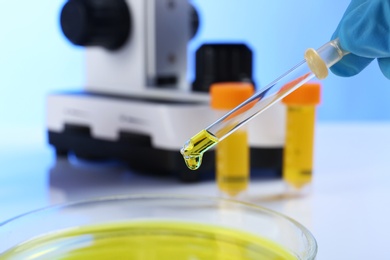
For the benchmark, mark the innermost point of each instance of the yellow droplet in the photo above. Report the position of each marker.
(194, 148)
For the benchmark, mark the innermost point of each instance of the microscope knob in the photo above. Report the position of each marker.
(104, 23)
(194, 20)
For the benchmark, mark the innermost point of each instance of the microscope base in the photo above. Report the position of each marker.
(83, 124)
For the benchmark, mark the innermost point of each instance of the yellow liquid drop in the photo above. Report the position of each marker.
(149, 241)
(194, 148)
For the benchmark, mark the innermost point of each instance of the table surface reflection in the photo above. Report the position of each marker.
(346, 210)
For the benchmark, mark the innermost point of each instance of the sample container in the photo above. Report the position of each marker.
(300, 124)
(232, 162)
(151, 227)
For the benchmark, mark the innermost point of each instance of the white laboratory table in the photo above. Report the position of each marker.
(347, 210)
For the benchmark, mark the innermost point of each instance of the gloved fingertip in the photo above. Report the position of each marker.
(384, 65)
(343, 71)
(350, 65)
(335, 34)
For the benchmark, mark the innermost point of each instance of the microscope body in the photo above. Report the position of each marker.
(137, 105)
(154, 55)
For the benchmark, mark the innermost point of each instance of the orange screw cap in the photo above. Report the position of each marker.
(307, 94)
(228, 95)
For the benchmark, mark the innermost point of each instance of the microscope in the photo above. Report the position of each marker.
(137, 105)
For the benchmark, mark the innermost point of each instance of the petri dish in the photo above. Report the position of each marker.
(151, 227)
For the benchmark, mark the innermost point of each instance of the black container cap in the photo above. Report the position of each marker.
(222, 63)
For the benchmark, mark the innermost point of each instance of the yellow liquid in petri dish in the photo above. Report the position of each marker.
(232, 158)
(149, 241)
(298, 151)
(194, 148)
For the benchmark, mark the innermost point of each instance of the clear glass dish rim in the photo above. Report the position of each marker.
(133, 197)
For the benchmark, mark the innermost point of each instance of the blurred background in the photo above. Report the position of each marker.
(36, 59)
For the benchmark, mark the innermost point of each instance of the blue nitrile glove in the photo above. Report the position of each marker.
(364, 31)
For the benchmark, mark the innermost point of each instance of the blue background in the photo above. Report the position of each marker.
(35, 58)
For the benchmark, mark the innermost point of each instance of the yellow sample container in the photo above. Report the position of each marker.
(232, 153)
(300, 122)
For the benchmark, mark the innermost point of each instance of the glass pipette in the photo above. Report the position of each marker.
(315, 64)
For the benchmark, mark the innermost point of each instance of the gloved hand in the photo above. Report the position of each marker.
(364, 31)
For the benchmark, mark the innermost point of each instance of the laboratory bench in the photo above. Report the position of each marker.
(347, 208)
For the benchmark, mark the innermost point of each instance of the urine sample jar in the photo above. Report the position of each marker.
(299, 145)
(232, 161)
